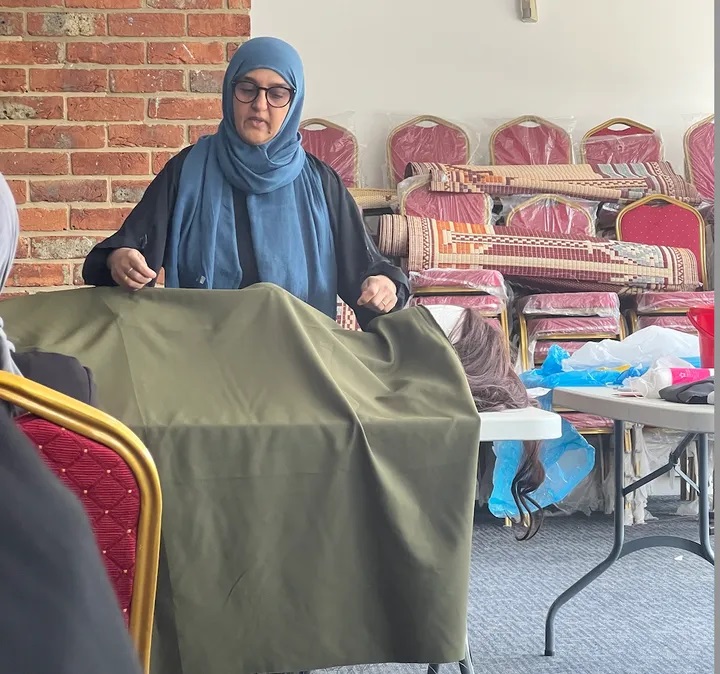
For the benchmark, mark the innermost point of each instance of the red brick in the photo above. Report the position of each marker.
(219, 25)
(19, 190)
(146, 135)
(110, 163)
(61, 247)
(146, 80)
(112, 108)
(35, 219)
(64, 191)
(25, 275)
(77, 275)
(66, 137)
(197, 130)
(98, 218)
(232, 47)
(185, 108)
(128, 191)
(159, 159)
(239, 4)
(112, 53)
(23, 248)
(32, 3)
(24, 53)
(146, 24)
(13, 135)
(31, 107)
(206, 81)
(13, 163)
(12, 79)
(185, 52)
(62, 79)
(104, 4)
(65, 24)
(185, 4)
(11, 23)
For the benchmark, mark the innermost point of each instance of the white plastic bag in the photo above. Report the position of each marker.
(641, 349)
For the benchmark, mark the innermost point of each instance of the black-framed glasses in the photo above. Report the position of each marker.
(276, 97)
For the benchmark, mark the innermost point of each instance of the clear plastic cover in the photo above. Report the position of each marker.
(650, 302)
(531, 140)
(585, 422)
(571, 304)
(699, 145)
(540, 328)
(425, 139)
(621, 141)
(681, 323)
(542, 347)
(485, 304)
(416, 199)
(550, 213)
(458, 281)
(333, 141)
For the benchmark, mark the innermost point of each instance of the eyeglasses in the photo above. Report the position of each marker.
(277, 97)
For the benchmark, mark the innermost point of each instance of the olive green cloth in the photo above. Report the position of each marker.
(318, 483)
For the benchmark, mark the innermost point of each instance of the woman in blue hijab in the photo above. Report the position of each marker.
(248, 205)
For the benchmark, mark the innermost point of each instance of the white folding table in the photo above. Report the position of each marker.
(697, 421)
(529, 423)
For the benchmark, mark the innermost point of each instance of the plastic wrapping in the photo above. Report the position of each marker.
(538, 328)
(650, 302)
(681, 323)
(641, 349)
(587, 422)
(542, 348)
(621, 141)
(571, 304)
(460, 281)
(485, 304)
(416, 199)
(699, 145)
(425, 139)
(550, 213)
(668, 371)
(333, 141)
(529, 140)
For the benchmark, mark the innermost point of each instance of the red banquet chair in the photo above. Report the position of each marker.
(115, 479)
(425, 139)
(530, 140)
(621, 141)
(334, 145)
(699, 143)
(552, 213)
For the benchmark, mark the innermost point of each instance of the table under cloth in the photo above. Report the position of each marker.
(318, 483)
(614, 183)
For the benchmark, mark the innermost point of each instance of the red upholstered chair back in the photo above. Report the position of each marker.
(621, 141)
(699, 144)
(530, 140)
(334, 145)
(474, 208)
(551, 213)
(425, 139)
(662, 221)
(107, 489)
(112, 473)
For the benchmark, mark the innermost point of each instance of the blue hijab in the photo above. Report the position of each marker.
(289, 219)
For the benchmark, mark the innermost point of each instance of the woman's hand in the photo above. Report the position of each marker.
(378, 293)
(129, 268)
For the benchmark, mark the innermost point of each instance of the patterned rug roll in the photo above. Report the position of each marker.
(555, 260)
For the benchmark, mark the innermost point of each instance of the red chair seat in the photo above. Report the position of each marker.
(487, 304)
(650, 302)
(681, 323)
(107, 489)
(582, 421)
(538, 328)
(571, 304)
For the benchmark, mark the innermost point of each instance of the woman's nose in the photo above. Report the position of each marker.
(260, 102)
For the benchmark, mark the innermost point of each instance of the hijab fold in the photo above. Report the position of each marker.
(289, 218)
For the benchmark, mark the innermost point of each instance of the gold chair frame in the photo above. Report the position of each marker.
(556, 198)
(686, 145)
(91, 423)
(612, 122)
(312, 121)
(521, 120)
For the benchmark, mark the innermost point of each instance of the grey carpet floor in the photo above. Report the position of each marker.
(651, 613)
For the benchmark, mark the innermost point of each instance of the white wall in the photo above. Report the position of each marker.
(470, 60)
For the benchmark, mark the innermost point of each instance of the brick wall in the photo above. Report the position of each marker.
(95, 97)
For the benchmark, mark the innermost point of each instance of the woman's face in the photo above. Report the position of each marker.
(261, 100)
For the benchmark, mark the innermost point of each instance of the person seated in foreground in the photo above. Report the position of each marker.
(495, 386)
(247, 205)
(54, 370)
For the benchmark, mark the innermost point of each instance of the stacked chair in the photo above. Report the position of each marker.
(621, 141)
